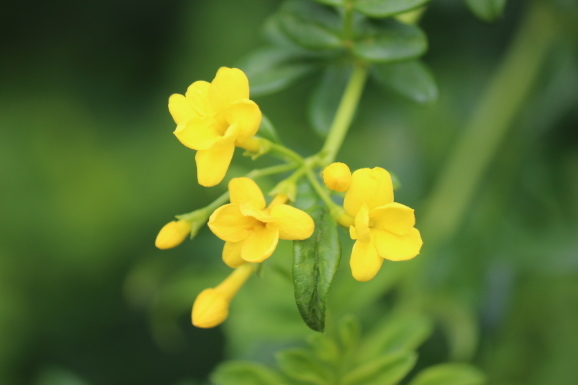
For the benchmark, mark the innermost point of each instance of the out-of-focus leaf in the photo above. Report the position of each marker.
(273, 69)
(411, 79)
(385, 370)
(326, 97)
(449, 374)
(315, 262)
(298, 364)
(324, 347)
(385, 8)
(388, 40)
(310, 25)
(244, 373)
(349, 331)
(267, 130)
(335, 3)
(399, 332)
(487, 10)
(58, 376)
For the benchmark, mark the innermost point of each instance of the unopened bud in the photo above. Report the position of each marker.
(173, 234)
(337, 177)
(210, 309)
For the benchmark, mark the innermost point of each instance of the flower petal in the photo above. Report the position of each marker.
(247, 115)
(232, 254)
(370, 186)
(228, 223)
(229, 85)
(213, 163)
(365, 262)
(181, 109)
(292, 223)
(197, 95)
(394, 217)
(260, 244)
(245, 190)
(398, 247)
(198, 133)
(362, 224)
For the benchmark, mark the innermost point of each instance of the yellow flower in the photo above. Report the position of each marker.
(211, 306)
(337, 177)
(213, 118)
(250, 230)
(383, 229)
(173, 234)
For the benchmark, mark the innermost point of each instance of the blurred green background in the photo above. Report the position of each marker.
(90, 171)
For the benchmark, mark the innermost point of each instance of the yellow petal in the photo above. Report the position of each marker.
(213, 163)
(370, 186)
(365, 262)
(247, 115)
(228, 223)
(229, 85)
(181, 109)
(398, 247)
(394, 217)
(352, 232)
(260, 244)
(292, 223)
(245, 190)
(210, 309)
(197, 95)
(198, 133)
(173, 234)
(232, 254)
(362, 224)
(337, 177)
(260, 215)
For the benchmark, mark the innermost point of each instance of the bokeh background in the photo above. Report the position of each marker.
(89, 172)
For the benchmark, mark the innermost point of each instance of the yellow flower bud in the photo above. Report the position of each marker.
(173, 234)
(337, 177)
(211, 307)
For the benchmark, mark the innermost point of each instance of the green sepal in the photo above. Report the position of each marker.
(386, 8)
(411, 79)
(399, 332)
(272, 69)
(315, 262)
(300, 365)
(310, 25)
(449, 374)
(387, 40)
(267, 130)
(326, 98)
(387, 369)
(487, 10)
(244, 373)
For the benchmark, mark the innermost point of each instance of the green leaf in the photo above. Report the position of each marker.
(385, 370)
(324, 347)
(449, 374)
(315, 262)
(384, 41)
(267, 130)
(487, 10)
(349, 331)
(273, 69)
(244, 373)
(334, 3)
(386, 8)
(411, 79)
(398, 333)
(310, 25)
(298, 364)
(326, 97)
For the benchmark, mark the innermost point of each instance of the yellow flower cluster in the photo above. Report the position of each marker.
(382, 228)
(213, 118)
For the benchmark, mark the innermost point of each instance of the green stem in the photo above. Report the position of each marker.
(285, 153)
(344, 115)
(484, 133)
(334, 209)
